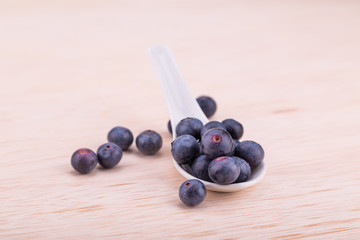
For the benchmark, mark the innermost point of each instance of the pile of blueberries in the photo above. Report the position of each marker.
(109, 154)
(212, 153)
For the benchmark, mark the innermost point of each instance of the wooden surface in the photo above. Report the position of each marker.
(72, 70)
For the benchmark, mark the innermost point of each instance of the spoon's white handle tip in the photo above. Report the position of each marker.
(181, 103)
(157, 49)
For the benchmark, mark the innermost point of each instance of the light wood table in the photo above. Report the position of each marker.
(72, 70)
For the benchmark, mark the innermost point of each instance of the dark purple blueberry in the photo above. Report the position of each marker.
(169, 126)
(233, 149)
(245, 170)
(191, 126)
(251, 152)
(216, 142)
(149, 142)
(84, 160)
(200, 167)
(121, 136)
(109, 155)
(235, 128)
(185, 149)
(210, 125)
(224, 170)
(207, 105)
(192, 192)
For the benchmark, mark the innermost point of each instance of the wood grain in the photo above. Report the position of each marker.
(71, 70)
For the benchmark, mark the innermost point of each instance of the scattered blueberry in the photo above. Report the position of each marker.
(251, 152)
(245, 170)
(200, 167)
(235, 128)
(224, 170)
(149, 142)
(109, 155)
(207, 105)
(169, 126)
(216, 142)
(191, 126)
(121, 136)
(185, 149)
(192, 192)
(84, 160)
(210, 125)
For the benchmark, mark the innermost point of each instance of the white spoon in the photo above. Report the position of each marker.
(182, 104)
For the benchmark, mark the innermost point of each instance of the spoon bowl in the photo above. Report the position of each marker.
(181, 104)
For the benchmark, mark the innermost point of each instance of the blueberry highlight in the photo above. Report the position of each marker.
(109, 155)
(192, 192)
(149, 142)
(84, 160)
(121, 136)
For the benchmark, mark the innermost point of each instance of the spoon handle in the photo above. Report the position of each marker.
(180, 101)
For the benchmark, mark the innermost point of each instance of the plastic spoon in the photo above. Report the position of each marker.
(182, 104)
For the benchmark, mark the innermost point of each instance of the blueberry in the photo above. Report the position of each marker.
(210, 125)
(233, 149)
(207, 105)
(169, 126)
(245, 170)
(185, 149)
(235, 128)
(224, 170)
(84, 160)
(216, 142)
(200, 167)
(251, 152)
(121, 136)
(109, 155)
(192, 192)
(149, 142)
(191, 126)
